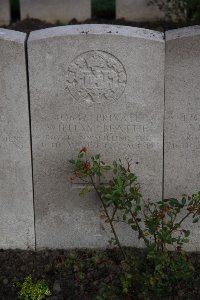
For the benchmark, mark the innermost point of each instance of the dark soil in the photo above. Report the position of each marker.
(29, 25)
(81, 275)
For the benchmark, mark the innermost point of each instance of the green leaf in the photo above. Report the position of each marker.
(138, 219)
(115, 164)
(72, 161)
(107, 168)
(108, 196)
(195, 220)
(176, 225)
(174, 202)
(130, 221)
(166, 200)
(184, 201)
(115, 171)
(131, 177)
(185, 240)
(173, 240)
(97, 156)
(84, 191)
(116, 193)
(81, 194)
(129, 204)
(124, 217)
(160, 202)
(108, 202)
(134, 227)
(186, 233)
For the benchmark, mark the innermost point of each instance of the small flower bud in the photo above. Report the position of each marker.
(84, 149)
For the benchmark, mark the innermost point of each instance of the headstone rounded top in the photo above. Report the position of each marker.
(12, 35)
(97, 29)
(183, 32)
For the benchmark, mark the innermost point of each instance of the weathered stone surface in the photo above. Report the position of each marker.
(4, 12)
(182, 117)
(16, 199)
(56, 10)
(97, 86)
(137, 10)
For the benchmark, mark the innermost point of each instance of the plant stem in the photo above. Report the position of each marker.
(114, 212)
(141, 234)
(108, 217)
(183, 219)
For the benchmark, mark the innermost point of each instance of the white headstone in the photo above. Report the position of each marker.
(182, 118)
(137, 10)
(16, 195)
(4, 12)
(56, 10)
(97, 86)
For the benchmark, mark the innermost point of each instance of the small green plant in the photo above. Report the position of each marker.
(118, 195)
(183, 10)
(32, 291)
(158, 224)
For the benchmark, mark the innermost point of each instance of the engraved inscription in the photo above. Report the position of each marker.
(99, 131)
(17, 141)
(185, 128)
(96, 77)
(8, 170)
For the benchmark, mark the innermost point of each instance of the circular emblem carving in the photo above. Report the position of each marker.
(96, 77)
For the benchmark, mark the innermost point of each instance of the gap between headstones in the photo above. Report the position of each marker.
(30, 129)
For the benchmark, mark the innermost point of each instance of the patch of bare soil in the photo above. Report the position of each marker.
(29, 24)
(86, 274)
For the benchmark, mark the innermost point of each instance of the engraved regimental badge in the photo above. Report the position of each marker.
(96, 77)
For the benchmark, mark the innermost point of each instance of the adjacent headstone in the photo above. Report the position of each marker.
(101, 87)
(182, 116)
(16, 195)
(56, 10)
(4, 12)
(137, 10)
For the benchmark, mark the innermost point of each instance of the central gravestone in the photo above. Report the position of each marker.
(100, 87)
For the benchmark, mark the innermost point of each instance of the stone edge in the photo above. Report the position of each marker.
(12, 35)
(184, 32)
(91, 29)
